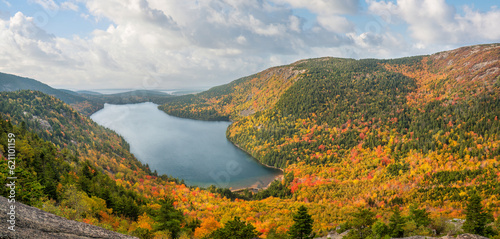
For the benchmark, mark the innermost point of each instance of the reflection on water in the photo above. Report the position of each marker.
(193, 150)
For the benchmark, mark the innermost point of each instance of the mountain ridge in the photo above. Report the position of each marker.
(9, 82)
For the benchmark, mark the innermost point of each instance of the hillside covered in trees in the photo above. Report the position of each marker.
(376, 133)
(10, 83)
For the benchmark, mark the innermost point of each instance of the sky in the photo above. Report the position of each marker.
(174, 44)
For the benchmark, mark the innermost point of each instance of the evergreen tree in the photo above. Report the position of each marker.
(379, 230)
(475, 217)
(169, 218)
(396, 223)
(363, 220)
(235, 229)
(419, 216)
(302, 228)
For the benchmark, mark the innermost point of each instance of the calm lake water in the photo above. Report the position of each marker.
(193, 150)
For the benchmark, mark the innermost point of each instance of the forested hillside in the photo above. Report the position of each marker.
(57, 122)
(242, 97)
(85, 106)
(378, 133)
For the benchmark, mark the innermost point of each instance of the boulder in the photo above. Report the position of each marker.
(31, 222)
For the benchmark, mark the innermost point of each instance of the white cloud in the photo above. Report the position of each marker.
(49, 5)
(295, 24)
(26, 48)
(84, 16)
(435, 21)
(22, 27)
(241, 40)
(69, 6)
(328, 12)
(380, 45)
(336, 23)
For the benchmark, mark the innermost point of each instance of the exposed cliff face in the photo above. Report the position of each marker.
(32, 222)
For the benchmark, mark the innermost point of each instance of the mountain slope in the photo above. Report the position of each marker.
(351, 95)
(242, 97)
(378, 133)
(10, 82)
(61, 168)
(57, 122)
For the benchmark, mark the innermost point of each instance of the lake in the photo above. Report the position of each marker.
(193, 150)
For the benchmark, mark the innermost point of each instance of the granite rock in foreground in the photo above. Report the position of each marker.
(334, 235)
(32, 222)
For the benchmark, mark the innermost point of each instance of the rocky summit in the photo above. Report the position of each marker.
(31, 222)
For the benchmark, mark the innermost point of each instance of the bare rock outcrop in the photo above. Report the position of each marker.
(335, 235)
(462, 236)
(31, 222)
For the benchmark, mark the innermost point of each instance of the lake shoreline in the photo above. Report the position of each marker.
(263, 164)
(255, 187)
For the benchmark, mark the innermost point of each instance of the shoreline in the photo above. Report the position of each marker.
(263, 164)
(255, 187)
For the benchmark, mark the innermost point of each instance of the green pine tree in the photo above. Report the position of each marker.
(361, 223)
(396, 223)
(169, 218)
(235, 229)
(379, 230)
(302, 228)
(419, 216)
(475, 217)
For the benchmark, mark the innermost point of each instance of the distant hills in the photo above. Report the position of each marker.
(10, 82)
(130, 97)
(85, 102)
(88, 92)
